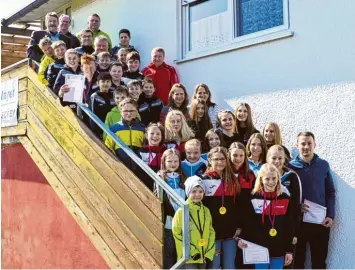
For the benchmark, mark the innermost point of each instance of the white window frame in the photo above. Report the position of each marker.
(263, 36)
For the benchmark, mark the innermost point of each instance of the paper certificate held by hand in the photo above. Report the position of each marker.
(255, 254)
(316, 213)
(76, 85)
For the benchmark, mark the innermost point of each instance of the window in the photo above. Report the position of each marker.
(208, 25)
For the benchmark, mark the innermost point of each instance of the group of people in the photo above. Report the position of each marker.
(241, 184)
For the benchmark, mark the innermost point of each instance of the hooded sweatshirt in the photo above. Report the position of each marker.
(197, 168)
(218, 194)
(317, 182)
(173, 179)
(265, 211)
(292, 183)
(200, 215)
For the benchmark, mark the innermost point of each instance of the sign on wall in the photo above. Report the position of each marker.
(9, 102)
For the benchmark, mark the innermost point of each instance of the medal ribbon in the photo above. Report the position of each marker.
(222, 192)
(271, 217)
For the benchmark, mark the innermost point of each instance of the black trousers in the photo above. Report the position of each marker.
(318, 238)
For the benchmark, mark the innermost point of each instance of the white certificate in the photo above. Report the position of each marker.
(316, 213)
(76, 85)
(254, 254)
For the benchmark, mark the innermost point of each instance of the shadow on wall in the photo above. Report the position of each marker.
(329, 112)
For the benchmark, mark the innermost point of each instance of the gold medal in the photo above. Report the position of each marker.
(202, 242)
(272, 232)
(222, 210)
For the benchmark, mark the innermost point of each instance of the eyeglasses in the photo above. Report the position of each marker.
(218, 159)
(131, 111)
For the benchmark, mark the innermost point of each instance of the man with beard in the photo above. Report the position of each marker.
(317, 188)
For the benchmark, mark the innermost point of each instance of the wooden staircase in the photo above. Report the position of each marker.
(119, 215)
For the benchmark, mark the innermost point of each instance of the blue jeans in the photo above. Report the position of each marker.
(228, 250)
(275, 263)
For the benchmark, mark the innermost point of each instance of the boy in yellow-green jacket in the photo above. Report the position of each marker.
(202, 235)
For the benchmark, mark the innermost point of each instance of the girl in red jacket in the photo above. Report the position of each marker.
(222, 192)
(268, 221)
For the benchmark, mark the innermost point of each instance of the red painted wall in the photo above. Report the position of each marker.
(37, 231)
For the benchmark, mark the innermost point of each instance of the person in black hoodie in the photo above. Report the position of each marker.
(59, 48)
(222, 198)
(226, 122)
(149, 105)
(243, 122)
(246, 178)
(290, 181)
(71, 67)
(200, 121)
(268, 219)
(133, 60)
(86, 40)
(101, 102)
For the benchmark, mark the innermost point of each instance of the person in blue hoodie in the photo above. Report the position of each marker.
(170, 171)
(194, 164)
(317, 187)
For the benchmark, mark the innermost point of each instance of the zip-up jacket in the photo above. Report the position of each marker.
(292, 183)
(43, 69)
(203, 219)
(317, 182)
(132, 134)
(151, 155)
(164, 76)
(197, 168)
(149, 109)
(246, 186)
(254, 166)
(173, 179)
(217, 189)
(133, 75)
(100, 104)
(60, 81)
(84, 50)
(53, 71)
(213, 114)
(264, 212)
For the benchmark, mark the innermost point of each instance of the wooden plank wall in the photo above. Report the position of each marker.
(13, 49)
(119, 214)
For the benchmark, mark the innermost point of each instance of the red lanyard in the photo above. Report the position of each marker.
(271, 217)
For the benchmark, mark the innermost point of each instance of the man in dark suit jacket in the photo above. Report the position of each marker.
(64, 24)
(51, 21)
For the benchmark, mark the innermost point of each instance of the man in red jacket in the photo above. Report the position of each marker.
(162, 74)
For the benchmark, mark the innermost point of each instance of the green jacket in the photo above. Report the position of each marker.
(113, 117)
(202, 213)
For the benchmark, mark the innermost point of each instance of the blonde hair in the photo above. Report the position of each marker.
(227, 174)
(193, 143)
(163, 171)
(276, 147)
(278, 137)
(185, 133)
(259, 187)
